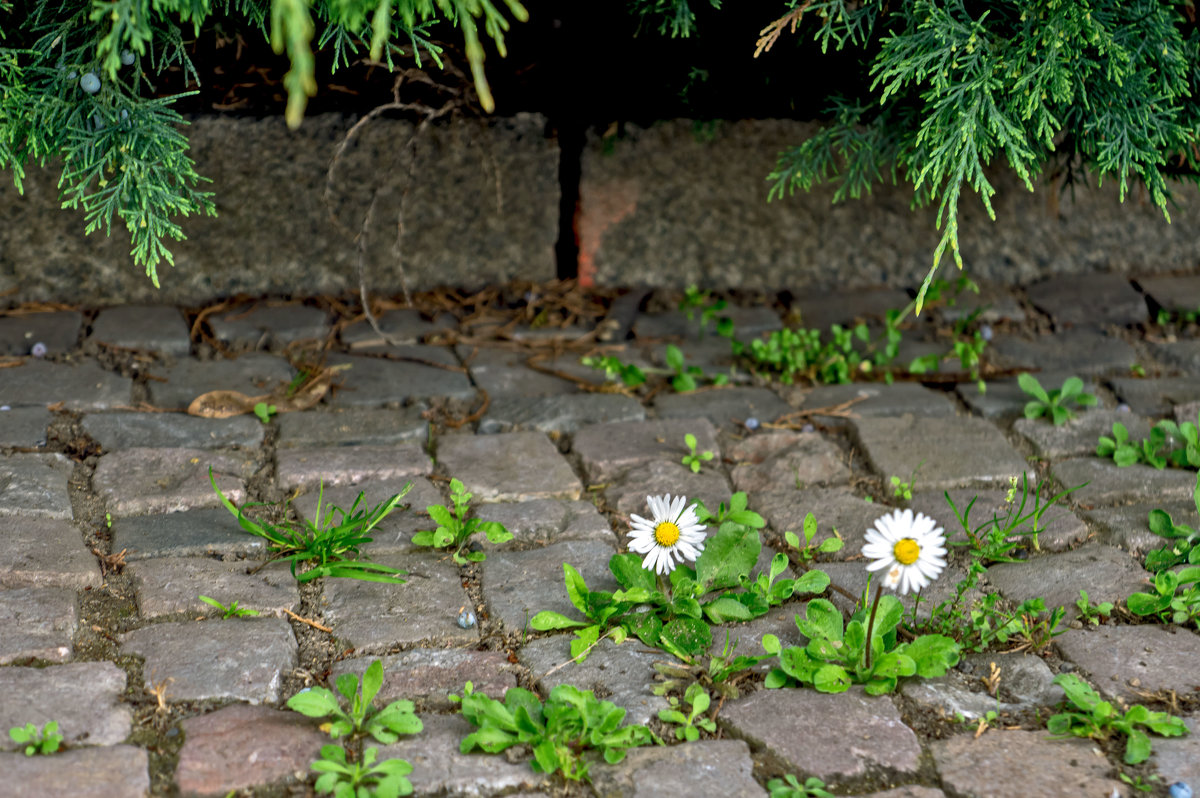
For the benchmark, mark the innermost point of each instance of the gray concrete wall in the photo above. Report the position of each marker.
(661, 206)
(273, 233)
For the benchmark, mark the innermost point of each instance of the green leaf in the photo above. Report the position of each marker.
(1030, 385)
(441, 515)
(495, 532)
(821, 620)
(315, 702)
(424, 538)
(831, 679)
(577, 590)
(546, 620)
(813, 581)
(674, 359)
(933, 655)
(1071, 387)
(689, 635)
(810, 527)
(1035, 409)
(372, 681)
(1137, 747)
(728, 556)
(628, 570)
(727, 609)
(584, 639)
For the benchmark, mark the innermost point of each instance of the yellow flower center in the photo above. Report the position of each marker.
(906, 551)
(666, 533)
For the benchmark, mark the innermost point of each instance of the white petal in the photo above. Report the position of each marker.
(880, 563)
(677, 508)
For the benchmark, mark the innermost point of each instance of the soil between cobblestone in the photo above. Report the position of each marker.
(110, 611)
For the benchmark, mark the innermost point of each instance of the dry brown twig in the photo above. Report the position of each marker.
(770, 34)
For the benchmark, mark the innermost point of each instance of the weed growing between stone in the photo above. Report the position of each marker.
(455, 530)
(790, 787)
(329, 543)
(560, 732)
(1169, 444)
(694, 459)
(1094, 614)
(46, 741)
(1054, 404)
(1089, 716)
(1183, 539)
(232, 611)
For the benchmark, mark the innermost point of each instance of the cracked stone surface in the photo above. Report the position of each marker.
(39, 623)
(1079, 435)
(35, 486)
(1104, 572)
(153, 328)
(629, 491)
(703, 769)
(158, 430)
(79, 386)
(1081, 351)
(608, 449)
(264, 326)
(495, 467)
(558, 414)
(195, 533)
(780, 459)
(421, 373)
(353, 426)
(1108, 483)
(519, 584)
(143, 481)
(338, 465)
(544, 521)
(877, 399)
(36, 552)
(1101, 299)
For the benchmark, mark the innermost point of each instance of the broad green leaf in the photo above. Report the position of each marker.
(822, 620)
(810, 527)
(674, 358)
(1034, 409)
(628, 570)
(933, 655)
(1031, 386)
(770, 644)
(726, 609)
(424, 538)
(1137, 747)
(1071, 387)
(645, 625)
(577, 590)
(441, 515)
(690, 635)
(813, 581)
(547, 620)
(372, 680)
(584, 639)
(495, 532)
(728, 557)
(830, 545)
(315, 702)
(831, 679)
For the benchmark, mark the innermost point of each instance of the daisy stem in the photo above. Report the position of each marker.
(871, 623)
(664, 585)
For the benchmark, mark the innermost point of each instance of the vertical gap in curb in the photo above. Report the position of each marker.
(571, 135)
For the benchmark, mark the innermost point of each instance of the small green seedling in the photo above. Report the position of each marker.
(901, 490)
(790, 787)
(615, 368)
(693, 459)
(694, 721)
(1172, 598)
(456, 530)
(1184, 539)
(1054, 404)
(385, 725)
(347, 779)
(807, 552)
(1095, 614)
(1099, 720)
(264, 411)
(232, 611)
(44, 742)
(735, 513)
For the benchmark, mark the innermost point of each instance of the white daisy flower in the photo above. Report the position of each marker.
(674, 533)
(911, 548)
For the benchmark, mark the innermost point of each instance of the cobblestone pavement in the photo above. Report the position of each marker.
(110, 531)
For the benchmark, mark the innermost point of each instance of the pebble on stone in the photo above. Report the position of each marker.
(1022, 764)
(45, 552)
(841, 739)
(243, 659)
(427, 675)
(938, 452)
(57, 331)
(83, 697)
(169, 585)
(514, 466)
(35, 486)
(38, 623)
(376, 616)
(350, 465)
(118, 771)
(240, 747)
(606, 450)
(144, 481)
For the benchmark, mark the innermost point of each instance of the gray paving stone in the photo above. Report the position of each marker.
(995, 303)
(83, 697)
(1178, 758)
(427, 675)
(1128, 526)
(439, 768)
(392, 534)
(170, 585)
(1077, 351)
(195, 533)
(153, 328)
(119, 771)
(623, 674)
(161, 430)
(724, 406)
(542, 522)
(1059, 527)
(629, 491)
(1122, 660)
(517, 585)
(1181, 355)
(606, 450)
(404, 325)
(253, 374)
(512, 466)
(748, 322)
(878, 399)
(746, 638)
(39, 623)
(951, 701)
(1187, 412)
(350, 465)
(834, 509)
(374, 381)
(701, 769)
(1108, 483)
(145, 481)
(907, 791)
(1173, 293)
(938, 453)
(1106, 573)
(24, 427)
(1080, 435)
(242, 659)
(1025, 679)
(504, 374)
(79, 386)
(1156, 397)
(1022, 764)
(821, 309)
(37, 552)
(1004, 400)
(558, 414)
(57, 330)
(35, 486)
(841, 739)
(375, 616)
(352, 427)
(239, 747)
(1091, 300)
(783, 459)
(267, 326)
